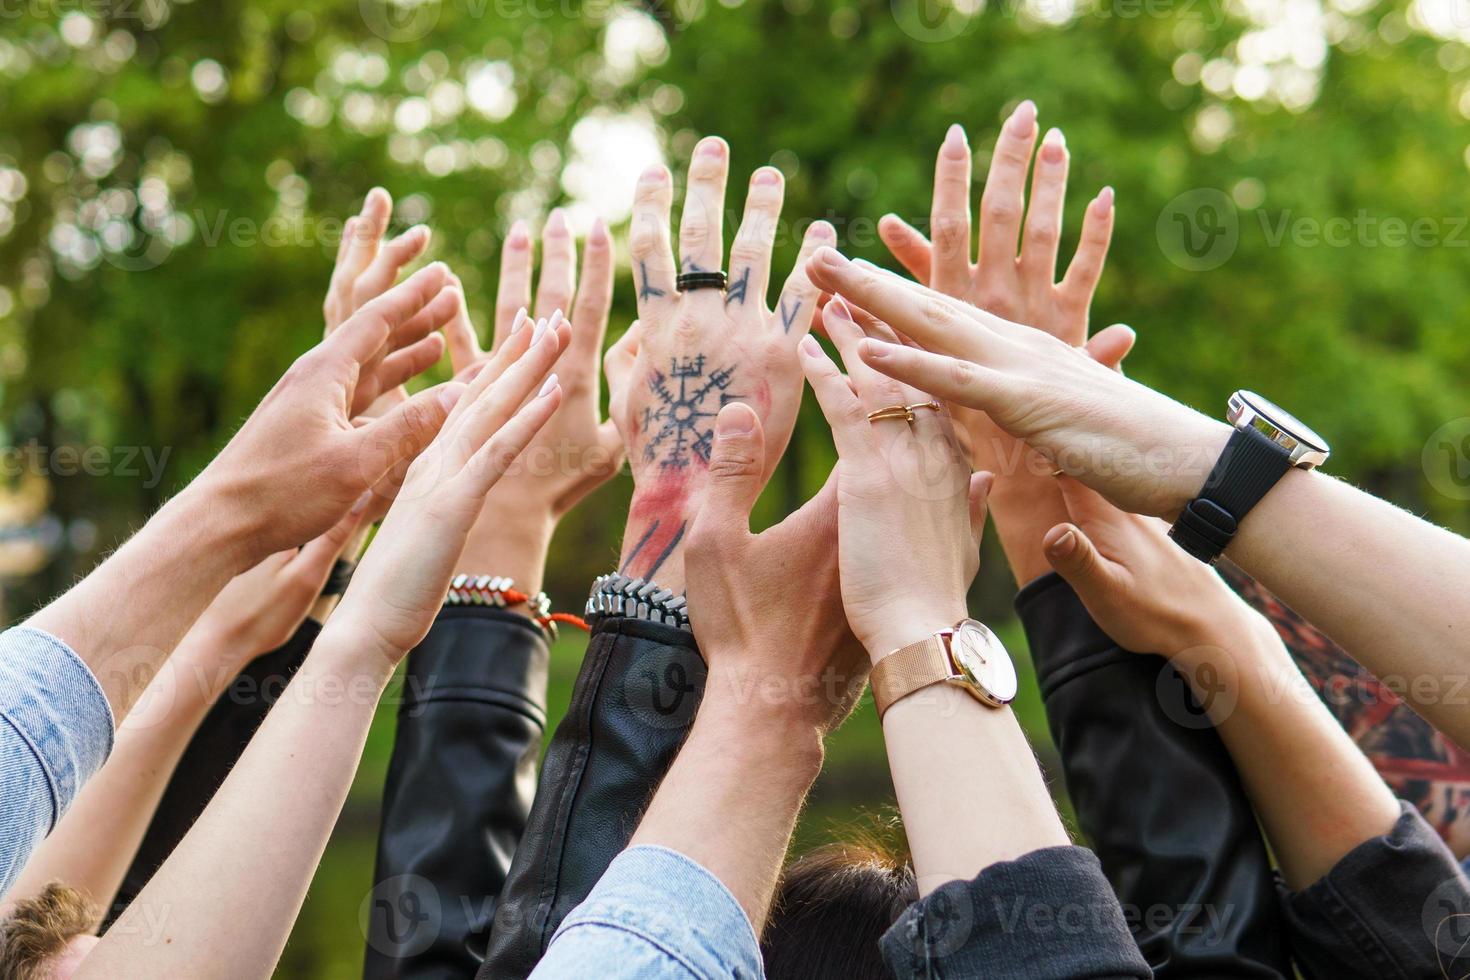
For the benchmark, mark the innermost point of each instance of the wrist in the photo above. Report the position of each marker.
(755, 728)
(351, 653)
(893, 630)
(216, 518)
(512, 545)
(1200, 452)
(658, 519)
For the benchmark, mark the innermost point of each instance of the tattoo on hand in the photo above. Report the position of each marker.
(647, 290)
(788, 316)
(735, 292)
(681, 420)
(663, 546)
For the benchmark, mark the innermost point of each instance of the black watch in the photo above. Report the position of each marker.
(1266, 443)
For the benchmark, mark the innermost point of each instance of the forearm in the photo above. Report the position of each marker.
(1318, 797)
(731, 799)
(261, 836)
(126, 617)
(658, 517)
(93, 845)
(1387, 586)
(951, 755)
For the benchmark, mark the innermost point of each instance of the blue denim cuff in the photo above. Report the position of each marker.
(55, 705)
(672, 904)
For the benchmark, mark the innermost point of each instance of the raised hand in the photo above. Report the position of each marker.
(702, 349)
(400, 584)
(576, 451)
(910, 512)
(1142, 450)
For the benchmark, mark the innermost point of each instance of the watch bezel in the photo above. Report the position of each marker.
(1307, 448)
(966, 675)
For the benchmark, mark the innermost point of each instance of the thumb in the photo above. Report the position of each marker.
(404, 432)
(1110, 345)
(736, 465)
(1076, 559)
(979, 501)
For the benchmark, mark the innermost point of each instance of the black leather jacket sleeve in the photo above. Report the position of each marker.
(1046, 916)
(210, 755)
(1157, 795)
(634, 700)
(1396, 907)
(459, 789)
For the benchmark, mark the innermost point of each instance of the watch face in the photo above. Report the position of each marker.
(982, 660)
(1277, 418)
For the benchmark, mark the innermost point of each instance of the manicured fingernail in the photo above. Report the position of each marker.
(536, 334)
(520, 321)
(735, 419)
(599, 228)
(1064, 545)
(839, 309)
(1105, 199)
(361, 503)
(954, 140)
(655, 174)
(1022, 119)
(1054, 146)
(449, 397)
(710, 146)
(546, 388)
(557, 319)
(556, 221)
(810, 347)
(519, 236)
(766, 176)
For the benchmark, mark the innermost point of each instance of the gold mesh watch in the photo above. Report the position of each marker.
(969, 656)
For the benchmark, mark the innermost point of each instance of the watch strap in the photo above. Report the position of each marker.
(1250, 465)
(909, 669)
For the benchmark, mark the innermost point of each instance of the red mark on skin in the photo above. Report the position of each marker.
(656, 520)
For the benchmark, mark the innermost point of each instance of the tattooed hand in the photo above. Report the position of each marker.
(1022, 289)
(702, 349)
(575, 452)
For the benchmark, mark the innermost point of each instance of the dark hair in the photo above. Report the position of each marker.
(832, 907)
(38, 928)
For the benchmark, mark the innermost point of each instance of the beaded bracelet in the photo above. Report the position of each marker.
(499, 591)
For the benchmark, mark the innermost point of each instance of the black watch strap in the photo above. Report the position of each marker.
(1248, 468)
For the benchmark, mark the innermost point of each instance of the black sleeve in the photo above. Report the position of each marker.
(1396, 907)
(633, 703)
(210, 755)
(1046, 916)
(1157, 795)
(459, 788)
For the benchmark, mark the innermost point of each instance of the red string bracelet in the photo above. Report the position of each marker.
(499, 591)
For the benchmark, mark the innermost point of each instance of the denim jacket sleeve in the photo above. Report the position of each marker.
(1158, 797)
(458, 792)
(655, 915)
(56, 730)
(635, 697)
(1049, 915)
(1394, 908)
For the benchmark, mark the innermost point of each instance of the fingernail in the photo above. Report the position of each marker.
(449, 397)
(810, 347)
(361, 503)
(954, 140)
(872, 350)
(735, 419)
(556, 221)
(1023, 118)
(655, 174)
(519, 236)
(766, 176)
(832, 257)
(546, 388)
(1105, 199)
(1064, 545)
(599, 228)
(1054, 146)
(556, 320)
(710, 146)
(839, 308)
(520, 321)
(536, 334)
